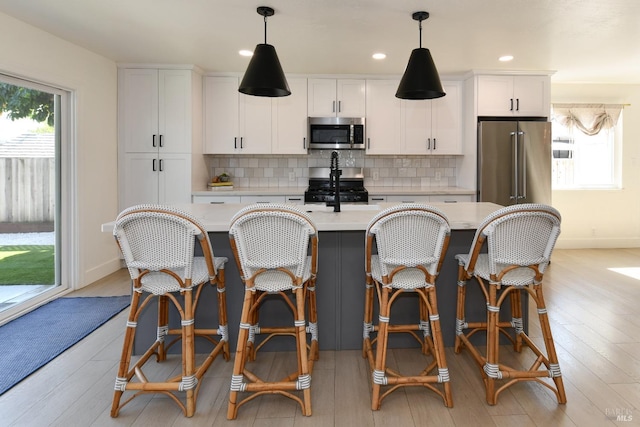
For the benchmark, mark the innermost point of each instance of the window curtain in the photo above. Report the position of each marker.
(590, 119)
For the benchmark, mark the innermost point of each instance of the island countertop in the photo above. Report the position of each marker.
(216, 218)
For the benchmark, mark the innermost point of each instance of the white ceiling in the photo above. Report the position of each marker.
(582, 40)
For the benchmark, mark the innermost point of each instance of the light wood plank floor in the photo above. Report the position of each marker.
(594, 312)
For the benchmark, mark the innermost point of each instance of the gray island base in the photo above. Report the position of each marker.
(340, 284)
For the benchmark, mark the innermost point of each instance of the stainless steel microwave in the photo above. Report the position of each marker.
(336, 133)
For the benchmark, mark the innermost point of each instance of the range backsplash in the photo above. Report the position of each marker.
(292, 171)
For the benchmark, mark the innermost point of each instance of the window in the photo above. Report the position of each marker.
(586, 141)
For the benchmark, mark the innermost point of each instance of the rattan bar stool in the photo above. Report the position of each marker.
(276, 249)
(158, 244)
(519, 241)
(411, 242)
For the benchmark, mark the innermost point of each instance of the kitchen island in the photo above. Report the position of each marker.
(341, 278)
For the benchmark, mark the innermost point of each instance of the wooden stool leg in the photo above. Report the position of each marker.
(163, 327)
(125, 358)
(237, 379)
(379, 373)
(368, 328)
(313, 322)
(460, 308)
(189, 381)
(491, 367)
(222, 312)
(303, 362)
(549, 344)
(438, 345)
(516, 318)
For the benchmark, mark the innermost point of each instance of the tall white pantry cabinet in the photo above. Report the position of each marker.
(157, 111)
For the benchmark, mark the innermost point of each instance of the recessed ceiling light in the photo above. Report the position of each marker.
(506, 58)
(379, 56)
(246, 53)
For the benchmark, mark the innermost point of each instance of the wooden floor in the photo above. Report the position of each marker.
(595, 319)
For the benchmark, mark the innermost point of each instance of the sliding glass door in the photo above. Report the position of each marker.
(31, 147)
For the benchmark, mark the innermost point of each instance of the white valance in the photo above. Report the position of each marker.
(588, 118)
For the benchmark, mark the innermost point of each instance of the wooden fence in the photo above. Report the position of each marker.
(27, 190)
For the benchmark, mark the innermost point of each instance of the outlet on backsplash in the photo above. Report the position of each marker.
(438, 176)
(376, 175)
(292, 176)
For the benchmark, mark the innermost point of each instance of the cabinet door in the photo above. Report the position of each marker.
(495, 96)
(221, 119)
(351, 98)
(290, 120)
(255, 125)
(140, 179)
(531, 95)
(138, 106)
(174, 178)
(321, 100)
(446, 114)
(416, 126)
(174, 111)
(383, 117)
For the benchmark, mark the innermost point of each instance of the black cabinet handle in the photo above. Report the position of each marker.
(161, 168)
(517, 104)
(434, 143)
(235, 142)
(153, 140)
(304, 143)
(511, 109)
(160, 137)
(241, 138)
(153, 167)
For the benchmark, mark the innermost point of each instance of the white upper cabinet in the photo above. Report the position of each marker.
(383, 124)
(155, 110)
(336, 98)
(514, 95)
(397, 126)
(290, 120)
(235, 123)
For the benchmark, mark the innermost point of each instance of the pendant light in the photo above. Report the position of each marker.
(420, 79)
(264, 75)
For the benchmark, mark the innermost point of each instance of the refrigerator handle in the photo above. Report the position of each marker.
(522, 190)
(514, 181)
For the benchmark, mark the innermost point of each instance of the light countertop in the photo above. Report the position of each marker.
(216, 218)
(292, 191)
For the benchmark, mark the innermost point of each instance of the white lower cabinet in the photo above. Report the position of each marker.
(412, 198)
(294, 200)
(262, 199)
(420, 198)
(451, 198)
(216, 200)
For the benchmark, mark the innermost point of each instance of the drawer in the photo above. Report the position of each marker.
(215, 200)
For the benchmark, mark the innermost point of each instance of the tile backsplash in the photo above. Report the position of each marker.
(292, 171)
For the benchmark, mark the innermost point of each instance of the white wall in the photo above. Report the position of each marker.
(604, 218)
(33, 54)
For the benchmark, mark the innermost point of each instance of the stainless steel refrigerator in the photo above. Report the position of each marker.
(514, 161)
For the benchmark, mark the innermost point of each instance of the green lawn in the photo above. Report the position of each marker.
(27, 265)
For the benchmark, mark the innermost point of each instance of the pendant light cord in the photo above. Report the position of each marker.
(419, 26)
(265, 29)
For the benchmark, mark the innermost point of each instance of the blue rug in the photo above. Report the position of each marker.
(32, 340)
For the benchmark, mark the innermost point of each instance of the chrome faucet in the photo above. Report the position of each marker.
(334, 181)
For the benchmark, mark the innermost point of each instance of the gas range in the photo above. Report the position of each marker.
(351, 186)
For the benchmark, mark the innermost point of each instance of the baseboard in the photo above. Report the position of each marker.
(597, 243)
(100, 271)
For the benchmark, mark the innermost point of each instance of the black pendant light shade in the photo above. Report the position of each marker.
(264, 75)
(420, 79)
